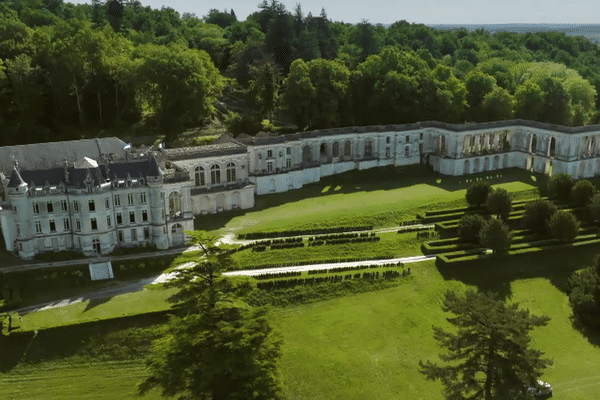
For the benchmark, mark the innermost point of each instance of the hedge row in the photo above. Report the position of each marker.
(315, 262)
(391, 274)
(341, 236)
(286, 246)
(344, 241)
(278, 275)
(303, 232)
(416, 228)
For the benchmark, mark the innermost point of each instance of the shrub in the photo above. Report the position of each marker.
(584, 294)
(564, 226)
(560, 186)
(537, 216)
(477, 193)
(469, 228)
(594, 207)
(582, 192)
(495, 235)
(498, 203)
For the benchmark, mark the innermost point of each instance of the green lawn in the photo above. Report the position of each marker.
(367, 346)
(126, 304)
(380, 197)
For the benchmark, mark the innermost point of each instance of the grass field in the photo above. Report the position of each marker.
(362, 346)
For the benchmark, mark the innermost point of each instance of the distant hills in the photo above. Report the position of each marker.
(590, 31)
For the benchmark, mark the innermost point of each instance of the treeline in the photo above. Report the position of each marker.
(68, 70)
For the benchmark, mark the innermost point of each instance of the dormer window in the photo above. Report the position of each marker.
(92, 206)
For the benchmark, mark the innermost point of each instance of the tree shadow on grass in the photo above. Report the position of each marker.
(497, 274)
(374, 179)
(96, 302)
(592, 334)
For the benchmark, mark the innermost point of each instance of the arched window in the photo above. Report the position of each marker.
(348, 149)
(230, 170)
(335, 149)
(174, 203)
(199, 176)
(215, 174)
(306, 154)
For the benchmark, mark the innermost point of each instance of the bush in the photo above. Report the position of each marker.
(594, 207)
(536, 217)
(495, 235)
(560, 185)
(469, 228)
(584, 294)
(498, 203)
(564, 226)
(582, 192)
(477, 193)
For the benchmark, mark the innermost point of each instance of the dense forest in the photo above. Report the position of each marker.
(68, 71)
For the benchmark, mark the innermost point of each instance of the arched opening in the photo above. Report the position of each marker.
(496, 163)
(204, 205)
(467, 167)
(177, 235)
(533, 146)
(368, 148)
(174, 204)
(476, 165)
(505, 161)
(96, 248)
(530, 164)
(220, 202)
(199, 177)
(348, 149)
(467, 145)
(236, 200)
(323, 152)
(215, 174)
(230, 172)
(552, 147)
(442, 148)
(335, 149)
(306, 154)
(486, 164)
(581, 170)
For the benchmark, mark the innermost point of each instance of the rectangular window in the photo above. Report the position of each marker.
(117, 200)
(387, 152)
(38, 226)
(120, 233)
(162, 195)
(52, 226)
(76, 206)
(119, 219)
(130, 199)
(387, 140)
(92, 206)
(50, 206)
(269, 153)
(145, 215)
(108, 221)
(36, 208)
(132, 217)
(63, 206)
(77, 225)
(163, 214)
(288, 151)
(15, 209)
(407, 139)
(407, 151)
(269, 166)
(107, 203)
(94, 224)
(288, 163)
(18, 230)
(143, 197)
(133, 235)
(420, 148)
(146, 233)
(421, 136)
(66, 224)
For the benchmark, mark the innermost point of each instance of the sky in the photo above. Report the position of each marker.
(429, 12)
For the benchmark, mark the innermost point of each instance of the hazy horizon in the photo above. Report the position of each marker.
(428, 12)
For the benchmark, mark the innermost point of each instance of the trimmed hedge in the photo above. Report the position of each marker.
(315, 262)
(303, 232)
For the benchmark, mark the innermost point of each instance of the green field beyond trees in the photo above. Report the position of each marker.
(356, 346)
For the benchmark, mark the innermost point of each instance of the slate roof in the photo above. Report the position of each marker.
(133, 169)
(42, 156)
(211, 150)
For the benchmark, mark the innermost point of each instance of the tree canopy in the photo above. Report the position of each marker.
(489, 356)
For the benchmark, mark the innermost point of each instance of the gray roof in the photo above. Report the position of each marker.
(211, 150)
(42, 156)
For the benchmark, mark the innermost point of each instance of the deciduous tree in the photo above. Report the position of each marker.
(499, 203)
(560, 186)
(477, 193)
(537, 216)
(564, 226)
(495, 235)
(469, 227)
(490, 354)
(582, 192)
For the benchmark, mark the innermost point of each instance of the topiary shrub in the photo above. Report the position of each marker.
(469, 228)
(564, 226)
(582, 192)
(536, 217)
(560, 185)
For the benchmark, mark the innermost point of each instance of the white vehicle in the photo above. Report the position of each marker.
(540, 389)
